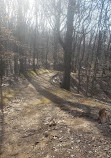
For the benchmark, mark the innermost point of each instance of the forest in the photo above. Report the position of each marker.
(55, 78)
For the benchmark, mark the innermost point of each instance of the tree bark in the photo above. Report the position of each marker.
(68, 46)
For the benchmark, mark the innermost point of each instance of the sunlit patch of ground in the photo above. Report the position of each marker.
(41, 71)
(7, 94)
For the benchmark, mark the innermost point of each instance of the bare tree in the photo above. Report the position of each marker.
(68, 46)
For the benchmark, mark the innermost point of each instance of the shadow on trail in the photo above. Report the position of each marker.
(66, 105)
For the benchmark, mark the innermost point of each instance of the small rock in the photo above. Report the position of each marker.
(106, 149)
(53, 123)
(90, 152)
(93, 138)
(72, 156)
(78, 141)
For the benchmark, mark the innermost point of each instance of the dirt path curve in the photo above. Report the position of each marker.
(44, 121)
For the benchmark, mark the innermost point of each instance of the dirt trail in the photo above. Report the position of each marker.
(44, 121)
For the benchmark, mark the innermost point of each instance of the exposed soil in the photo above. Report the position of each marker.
(44, 121)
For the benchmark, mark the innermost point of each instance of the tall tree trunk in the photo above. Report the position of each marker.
(1, 81)
(34, 64)
(47, 51)
(16, 65)
(68, 46)
(55, 50)
(80, 65)
(56, 32)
